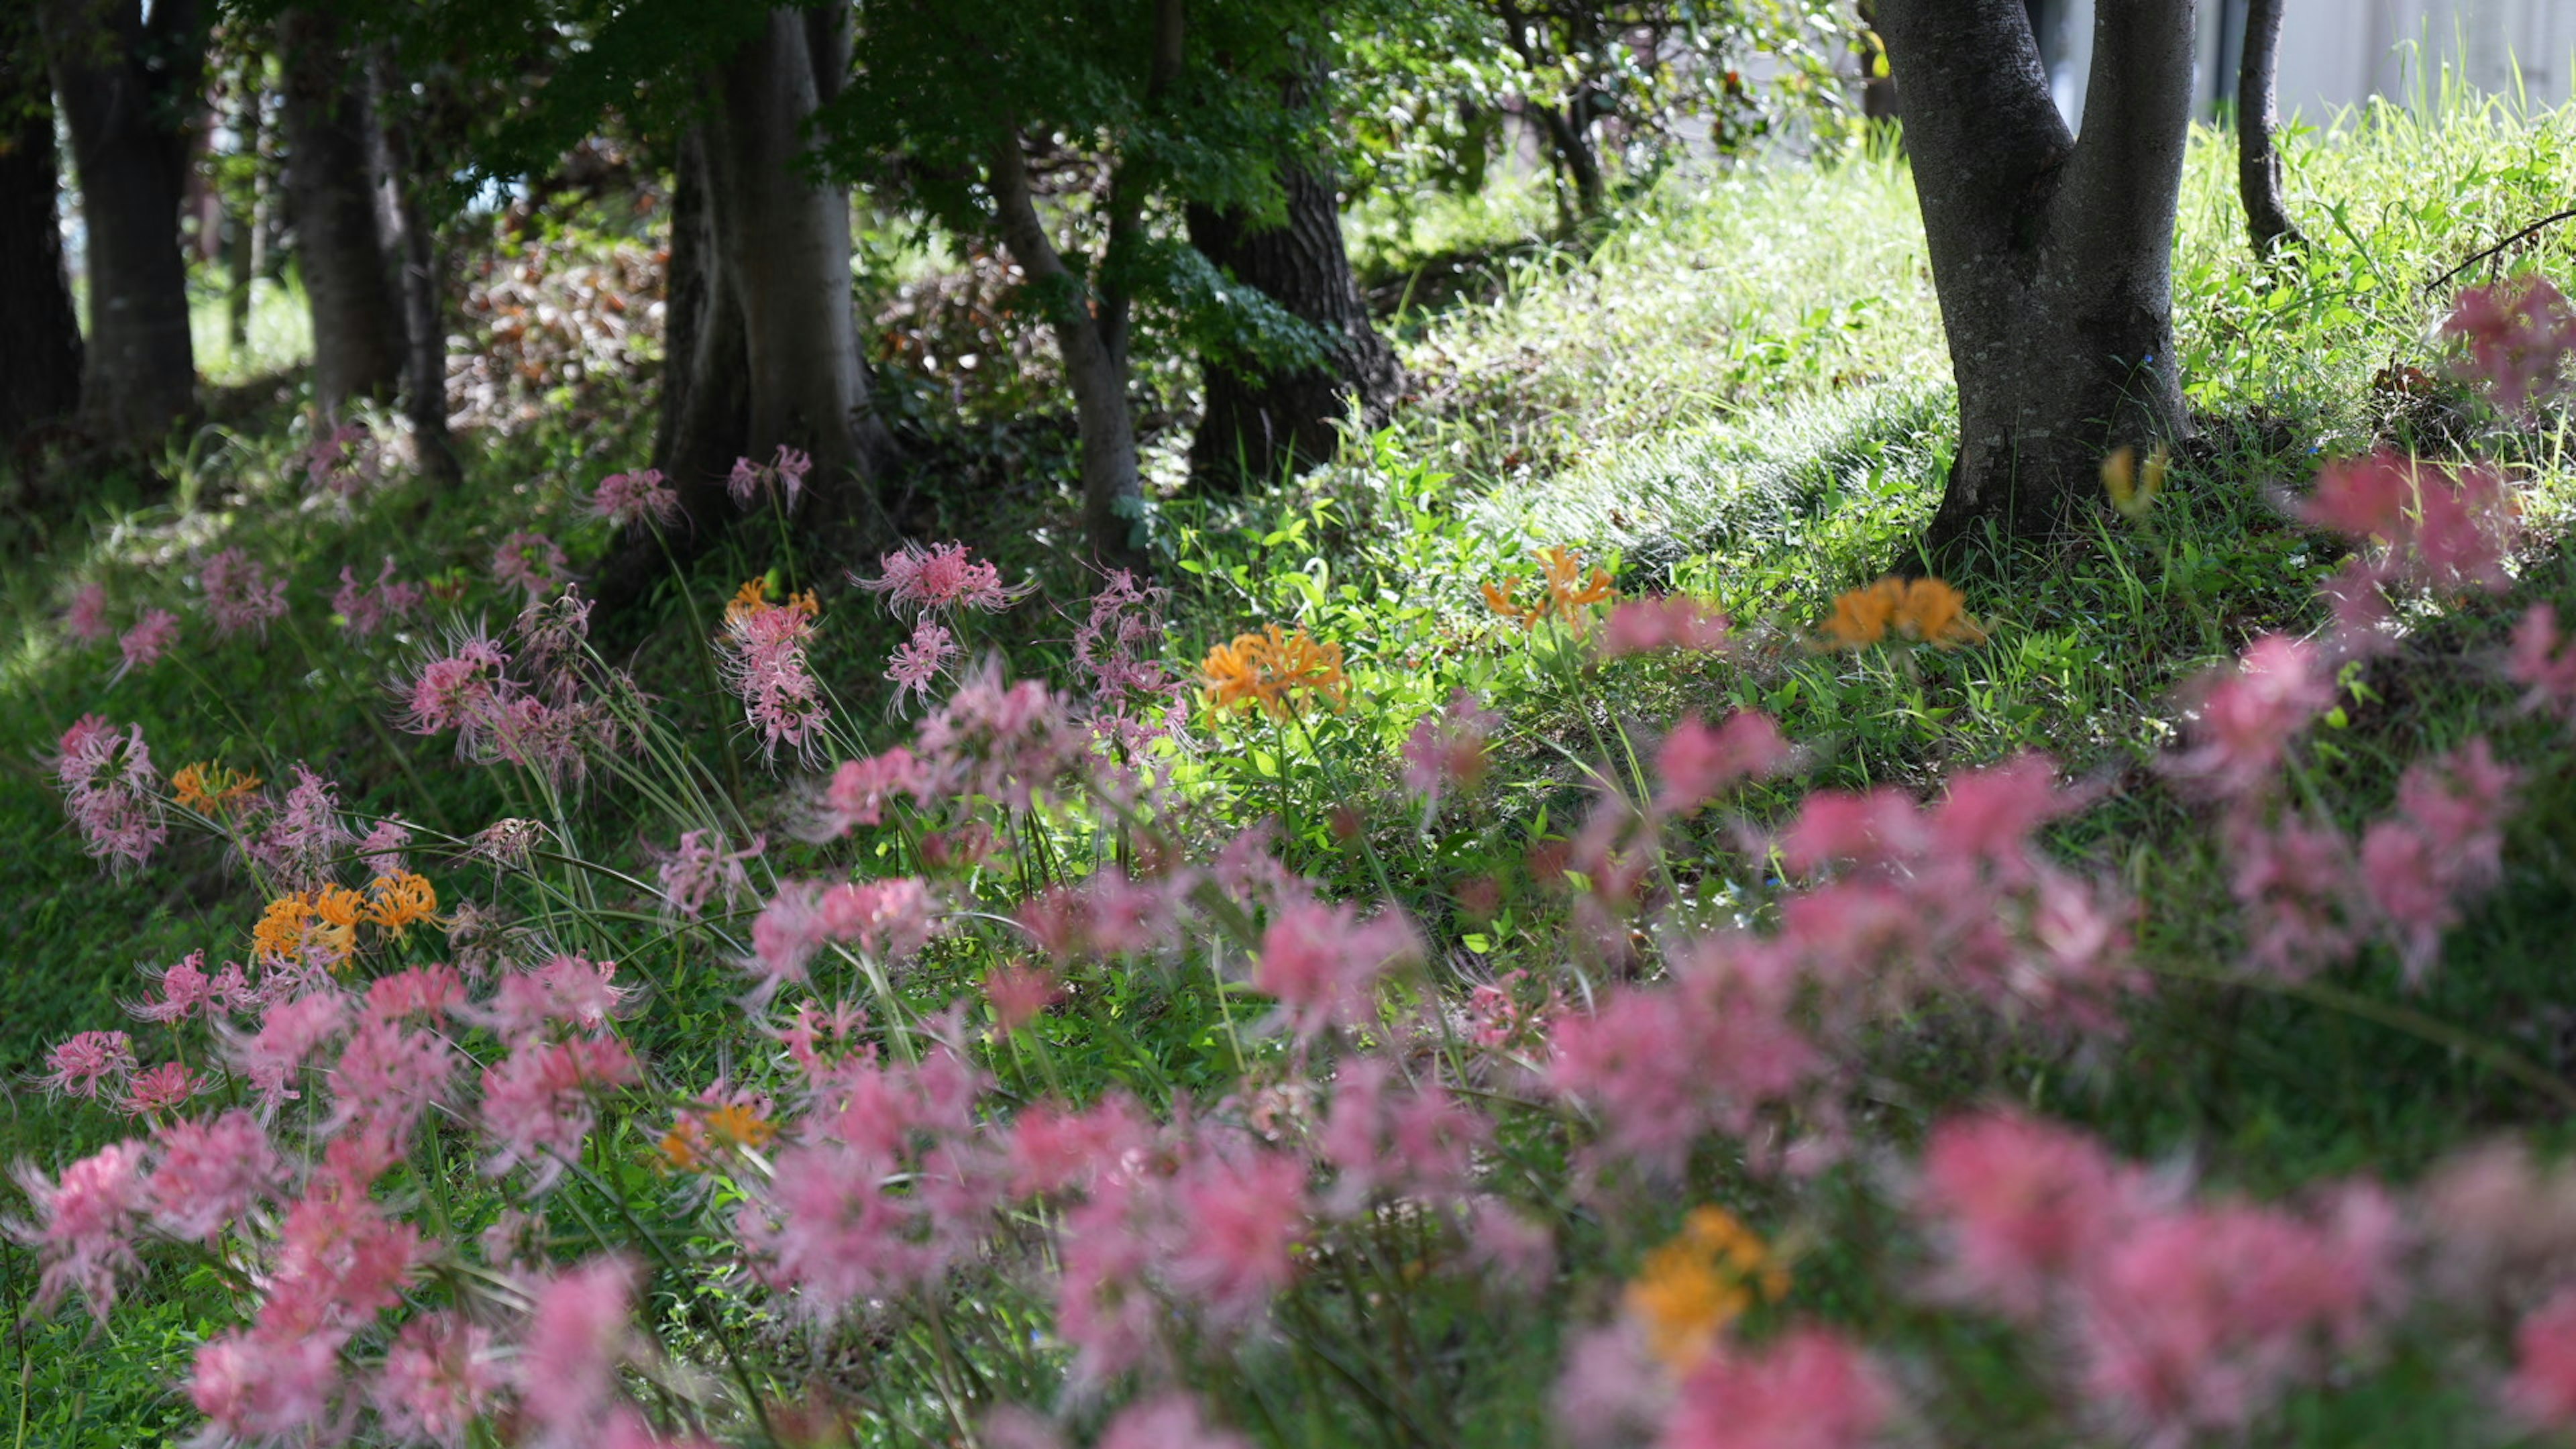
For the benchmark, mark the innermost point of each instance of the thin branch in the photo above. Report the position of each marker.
(2477, 257)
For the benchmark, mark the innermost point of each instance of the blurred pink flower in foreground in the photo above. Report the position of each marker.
(2248, 715)
(2517, 336)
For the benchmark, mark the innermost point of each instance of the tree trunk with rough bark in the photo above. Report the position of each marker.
(2052, 257)
(127, 89)
(705, 420)
(1112, 501)
(348, 279)
(1258, 426)
(40, 341)
(2258, 120)
(782, 249)
(421, 281)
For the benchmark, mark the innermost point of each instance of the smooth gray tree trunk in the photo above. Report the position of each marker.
(127, 88)
(2258, 120)
(1112, 500)
(1256, 426)
(2052, 257)
(339, 236)
(782, 246)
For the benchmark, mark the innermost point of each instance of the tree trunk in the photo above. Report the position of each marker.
(40, 341)
(2052, 257)
(1569, 137)
(241, 236)
(782, 249)
(348, 280)
(421, 281)
(705, 418)
(127, 89)
(1258, 426)
(1112, 501)
(2258, 117)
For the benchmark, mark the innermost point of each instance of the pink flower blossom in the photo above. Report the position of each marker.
(1417, 1141)
(239, 593)
(111, 791)
(2248, 717)
(2442, 528)
(696, 872)
(1117, 650)
(1105, 915)
(1052, 1148)
(2444, 844)
(1643, 626)
(380, 849)
(887, 919)
(2517, 335)
(763, 659)
(578, 1334)
(569, 990)
(440, 1375)
(265, 1386)
(536, 1102)
(287, 1035)
(183, 989)
(1002, 742)
(2543, 1387)
(151, 637)
(389, 1075)
(1239, 1213)
(942, 578)
(415, 992)
(85, 618)
(340, 1260)
(529, 562)
(1698, 763)
(1661, 1066)
(1809, 1389)
(2022, 1203)
(305, 841)
(1017, 993)
(1321, 962)
(211, 1172)
(782, 478)
(2297, 882)
(85, 1224)
(918, 661)
(460, 690)
(364, 610)
(861, 789)
(87, 1064)
(1448, 748)
(161, 1089)
(2544, 663)
(627, 500)
(2195, 1320)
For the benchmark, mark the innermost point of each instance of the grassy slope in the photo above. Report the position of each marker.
(1743, 388)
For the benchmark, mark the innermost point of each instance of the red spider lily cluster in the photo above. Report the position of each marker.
(393, 1146)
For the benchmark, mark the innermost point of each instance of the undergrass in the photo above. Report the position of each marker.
(1740, 390)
